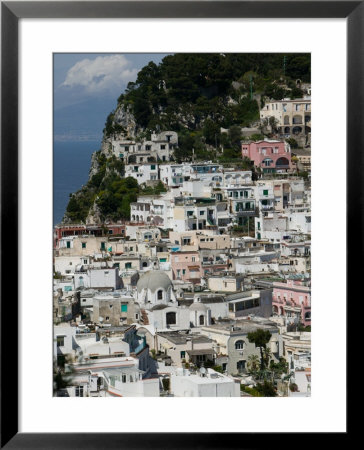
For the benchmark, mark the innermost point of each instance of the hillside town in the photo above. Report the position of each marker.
(183, 267)
(205, 291)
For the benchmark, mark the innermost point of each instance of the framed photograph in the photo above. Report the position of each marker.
(50, 58)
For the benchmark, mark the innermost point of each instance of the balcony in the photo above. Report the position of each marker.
(278, 300)
(214, 263)
(282, 166)
(247, 212)
(292, 308)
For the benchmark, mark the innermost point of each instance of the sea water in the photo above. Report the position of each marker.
(71, 165)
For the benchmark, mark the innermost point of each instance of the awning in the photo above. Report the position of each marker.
(201, 352)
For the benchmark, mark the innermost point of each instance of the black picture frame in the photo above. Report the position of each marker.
(11, 12)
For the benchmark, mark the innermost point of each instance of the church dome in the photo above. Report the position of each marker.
(198, 306)
(153, 280)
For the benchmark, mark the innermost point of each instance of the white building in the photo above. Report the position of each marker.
(175, 174)
(169, 317)
(236, 177)
(97, 277)
(200, 314)
(66, 265)
(153, 210)
(154, 288)
(128, 382)
(63, 340)
(207, 383)
(264, 194)
(142, 172)
(159, 148)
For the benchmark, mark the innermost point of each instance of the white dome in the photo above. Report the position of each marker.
(196, 306)
(153, 280)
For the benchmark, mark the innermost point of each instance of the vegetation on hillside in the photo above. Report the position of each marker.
(198, 94)
(195, 95)
(107, 189)
(109, 192)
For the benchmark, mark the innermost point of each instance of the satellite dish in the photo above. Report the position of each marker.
(202, 370)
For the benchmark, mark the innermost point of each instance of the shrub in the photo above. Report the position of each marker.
(292, 142)
(266, 389)
(166, 383)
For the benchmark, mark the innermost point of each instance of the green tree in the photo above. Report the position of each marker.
(280, 367)
(256, 137)
(253, 363)
(296, 93)
(292, 142)
(273, 123)
(186, 90)
(62, 378)
(235, 136)
(266, 389)
(260, 338)
(267, 356)
(185, 145)
(166, 383)
(211, 132)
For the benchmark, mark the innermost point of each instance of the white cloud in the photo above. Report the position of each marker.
(104, 73)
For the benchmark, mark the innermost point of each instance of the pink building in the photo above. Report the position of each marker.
(292, 299)
(270, 155)
(186, 266)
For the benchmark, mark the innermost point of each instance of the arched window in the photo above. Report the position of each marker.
(282, 162)
(297, 130)
(160, 294)
(202, 320)
(239, 345)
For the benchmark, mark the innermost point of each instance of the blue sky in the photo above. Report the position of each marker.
(86, 88)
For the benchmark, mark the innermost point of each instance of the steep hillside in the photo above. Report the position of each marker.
(195, 95)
